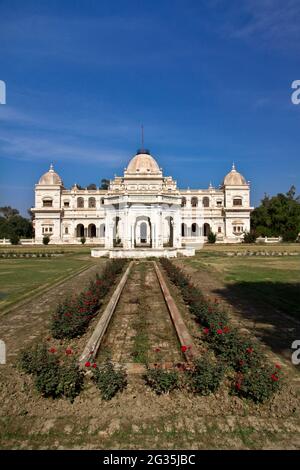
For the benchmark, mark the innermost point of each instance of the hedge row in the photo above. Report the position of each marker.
(255, 377)
(31, 255)
(74, 313)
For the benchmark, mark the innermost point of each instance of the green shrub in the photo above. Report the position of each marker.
(14, 239)
(83, 240)
(47, 381)
(258, 384)
(70, 380)
(206, 376)
(73, 315)
(46, 240)
(51, 378)
(109, 380)
(35, 359)
(161, 381)
(250, 237)
(212, 237)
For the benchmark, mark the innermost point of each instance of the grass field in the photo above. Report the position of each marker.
(21, 278)
(273, 280)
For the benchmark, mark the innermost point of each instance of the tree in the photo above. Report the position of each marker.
(278, 216)
(8, 211)
(14, 225)
(104, 183)
(212, 237)
(91, 186)
(46, 240)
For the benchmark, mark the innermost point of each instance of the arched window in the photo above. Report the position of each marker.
(80, 202)
(92, 230)
(206, 229)
(194, 230)
(183, 230)
(80, 230)
(102, 201)
(183, 202)
(205, 201)
(237, 201)
(219, 229)
(92, 202)
(47, 202)
(194, 202)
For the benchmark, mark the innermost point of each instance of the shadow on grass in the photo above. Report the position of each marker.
(264, 304)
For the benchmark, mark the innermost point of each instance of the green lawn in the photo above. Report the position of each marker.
(21, 278)
(272, 280)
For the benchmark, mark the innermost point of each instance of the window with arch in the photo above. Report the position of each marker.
(80, 202)
(205, 201)
(92, 202)
(102, 201)
(183, 202)
(219, 229)
(194, 229)
(66, 230)
(47, 202)
(194, 202)
(237, 201)
(219, 202)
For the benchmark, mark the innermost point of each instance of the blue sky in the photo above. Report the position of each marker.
(210, 81)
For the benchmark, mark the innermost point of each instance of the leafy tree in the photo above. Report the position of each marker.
(15, 225)
(8, 211)
(104, 183)
(212, 237)
(91, 186)
(278, 216)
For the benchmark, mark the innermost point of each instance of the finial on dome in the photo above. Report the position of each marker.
(51, 167)
(210, 185)
(233, 166)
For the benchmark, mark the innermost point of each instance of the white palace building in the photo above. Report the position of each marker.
(142, 212)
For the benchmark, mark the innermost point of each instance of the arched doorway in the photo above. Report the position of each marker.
(117, 235)
(92, 230)
(80, 231)
(206, 229)
(142, 231)
(169, 231)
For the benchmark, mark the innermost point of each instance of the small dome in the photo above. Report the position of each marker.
(143, 163)
(234, 178)
(50, 177)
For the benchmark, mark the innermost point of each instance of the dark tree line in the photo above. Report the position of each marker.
(13, 226)
(278, 216)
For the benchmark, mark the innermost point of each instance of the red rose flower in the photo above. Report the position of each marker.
(87, 364)
(238, 386)
(226, 329)
(249, 350)
(219, 332)
(69, 351)
(241, 362)
(94, 365)
(274, 377)
(183, 348)
(278, 366)
(52, 350)
(206, 331)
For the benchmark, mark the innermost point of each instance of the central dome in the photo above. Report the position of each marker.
(143, 163)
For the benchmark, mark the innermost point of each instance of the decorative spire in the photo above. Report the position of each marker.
(51, 167)
(233, 166)
(210, 185)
